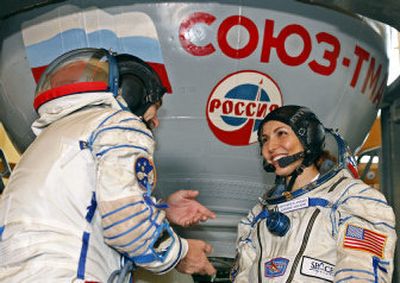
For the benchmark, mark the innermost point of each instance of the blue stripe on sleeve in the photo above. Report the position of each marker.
(127, 231)
(143, 244)
(364, 198)
(177, 258)
(344, 220)
(354, 271)
(120, 128)
(347, 190)
(121, 208)
(109, 117)
(140, 236)
(130, 119)
(126, 218)
(350, 279)
(91, 137)
(121, 146)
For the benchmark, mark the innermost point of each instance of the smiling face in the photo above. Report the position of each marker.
(279, 140)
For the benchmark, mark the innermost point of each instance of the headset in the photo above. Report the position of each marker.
(277, 222)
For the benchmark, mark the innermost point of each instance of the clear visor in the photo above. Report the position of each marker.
(82, 67)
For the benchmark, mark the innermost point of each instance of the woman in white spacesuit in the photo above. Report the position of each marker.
(78, 206)
(312, 226)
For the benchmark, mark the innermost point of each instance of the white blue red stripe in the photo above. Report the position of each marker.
(126, 32)
(363, 239)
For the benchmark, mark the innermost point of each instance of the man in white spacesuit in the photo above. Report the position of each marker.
(79, 206)
(313, 226)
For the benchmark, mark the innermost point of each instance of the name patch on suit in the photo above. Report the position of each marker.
(317, 268)
(276, 267)
(293, 205)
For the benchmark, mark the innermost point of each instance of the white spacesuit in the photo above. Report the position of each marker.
(79, 201)
(335, 229)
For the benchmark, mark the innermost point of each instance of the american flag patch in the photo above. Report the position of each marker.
(365, 240)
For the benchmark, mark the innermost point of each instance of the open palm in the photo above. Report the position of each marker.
(184, 210)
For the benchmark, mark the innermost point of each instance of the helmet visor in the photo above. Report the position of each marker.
(82, 70)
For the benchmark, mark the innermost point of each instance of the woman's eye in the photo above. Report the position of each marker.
(263, 140)
(282, 133)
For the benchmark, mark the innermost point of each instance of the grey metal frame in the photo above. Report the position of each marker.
(390, 164)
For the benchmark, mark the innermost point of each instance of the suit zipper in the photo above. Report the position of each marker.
(261, 252)
(303, 245)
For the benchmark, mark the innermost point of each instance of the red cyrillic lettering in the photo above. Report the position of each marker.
(372, 77)
(223, 30)
(186, 25)
(362, 56)
(250, 109)
(262, 110)
(239, 108)
(279, 43)
(272, 107)
(214, 104)
(227, 107)
(330, 56)
(269, 41)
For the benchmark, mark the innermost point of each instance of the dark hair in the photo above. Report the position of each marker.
(325, 162)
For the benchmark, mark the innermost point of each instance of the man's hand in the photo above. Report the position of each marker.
(196, 260)
(184, 210)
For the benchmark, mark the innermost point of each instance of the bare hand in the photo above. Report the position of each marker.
(196, 260)
(184, 210)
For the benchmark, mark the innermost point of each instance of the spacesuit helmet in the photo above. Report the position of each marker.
(134, 84)
(138, 84)
(305, 125)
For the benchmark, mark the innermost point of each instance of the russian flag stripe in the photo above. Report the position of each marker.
(125, 32)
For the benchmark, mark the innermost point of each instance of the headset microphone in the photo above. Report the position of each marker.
(286, 161)
(283, 162)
